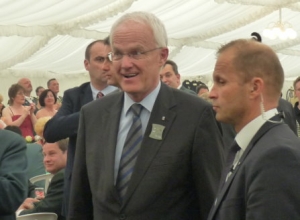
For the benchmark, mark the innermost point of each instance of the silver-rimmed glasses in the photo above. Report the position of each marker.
(136, 55)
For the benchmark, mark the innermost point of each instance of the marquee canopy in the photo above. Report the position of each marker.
(48, 38)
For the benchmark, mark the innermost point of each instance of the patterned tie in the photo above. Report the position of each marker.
(229, 161)
(130, 151)
(99, 95)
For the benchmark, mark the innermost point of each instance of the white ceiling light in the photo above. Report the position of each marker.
(279, 29)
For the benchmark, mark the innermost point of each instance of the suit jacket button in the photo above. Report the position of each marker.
(122, 217)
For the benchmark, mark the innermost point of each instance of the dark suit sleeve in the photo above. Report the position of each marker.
(13, 168)
(81, 206)
(65, 123)
(208, 159)
(53, 200)
(274, 189)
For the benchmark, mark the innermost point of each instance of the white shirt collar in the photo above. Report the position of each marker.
(245, 135)
(147, 102)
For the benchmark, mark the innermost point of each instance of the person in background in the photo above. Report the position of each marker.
(17, 114)
(53, 85)
(13, 179)
(38, 92)
(47, 100)
(27, 86)
(202, 88)
(55, 157)
(297, 105)
(170, 165)
(171, 77)
(39, 129)
(261, 177)
(65, 123)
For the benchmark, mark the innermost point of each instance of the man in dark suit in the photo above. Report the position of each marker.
(13, 168)
(170, 164)
(55, 157)
(289, 117)
(65, 122)
(261, 177)
(171, 77)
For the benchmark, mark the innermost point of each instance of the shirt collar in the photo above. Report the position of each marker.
(147, 102)
(244, 137)
(108, 89)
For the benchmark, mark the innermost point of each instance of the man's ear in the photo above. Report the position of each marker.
(86, 64)
(256, 86)
(164, 54)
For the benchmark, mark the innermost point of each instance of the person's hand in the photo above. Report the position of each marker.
(26, 111)
(32, 108)
(28, 203)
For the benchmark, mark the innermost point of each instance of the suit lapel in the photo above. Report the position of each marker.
(112, 117)
(222, 192)
(86, 95)
(162, 114)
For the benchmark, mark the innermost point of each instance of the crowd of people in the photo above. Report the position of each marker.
(135, 143)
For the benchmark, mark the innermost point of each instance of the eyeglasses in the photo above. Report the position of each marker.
(136, 55)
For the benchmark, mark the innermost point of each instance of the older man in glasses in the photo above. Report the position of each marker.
(142, 153)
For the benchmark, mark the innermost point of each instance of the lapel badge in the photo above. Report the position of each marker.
(157, 131)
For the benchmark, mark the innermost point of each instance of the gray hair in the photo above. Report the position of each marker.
(158, 28)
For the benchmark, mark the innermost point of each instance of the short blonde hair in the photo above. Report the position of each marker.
(40, 125)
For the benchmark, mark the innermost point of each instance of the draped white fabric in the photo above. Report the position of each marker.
(45, 39)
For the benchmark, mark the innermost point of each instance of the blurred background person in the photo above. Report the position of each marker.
(53, 85)
(47, 101)
(13, 167)
(202, 88)
(17, 114)
(171, 77)
(38, 92)
(27, 86)
(39, 129)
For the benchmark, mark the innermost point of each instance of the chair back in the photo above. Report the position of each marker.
(38, 216)
(46, 177)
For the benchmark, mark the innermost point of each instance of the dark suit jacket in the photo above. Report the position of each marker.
(288, 114)
(174, 178)
(65, 124)
(53, 199)
(265, 184)
(13, 168)
(182, 88)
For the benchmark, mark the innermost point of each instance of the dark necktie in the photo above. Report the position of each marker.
(130, 150)
(99, 95)
(229, 161)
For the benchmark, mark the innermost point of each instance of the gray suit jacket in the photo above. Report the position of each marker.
(13, 168)
(265, 184)
(174, 178)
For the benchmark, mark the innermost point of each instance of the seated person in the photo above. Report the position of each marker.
(55, 156)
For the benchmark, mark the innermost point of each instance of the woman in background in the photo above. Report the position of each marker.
(47, 100)
(18, 115)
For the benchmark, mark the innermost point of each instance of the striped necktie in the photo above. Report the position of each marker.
(130, 150)
(99, 95)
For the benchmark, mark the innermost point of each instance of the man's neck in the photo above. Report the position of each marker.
(99, 86)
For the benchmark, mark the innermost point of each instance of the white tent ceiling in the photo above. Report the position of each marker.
(44, 39)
